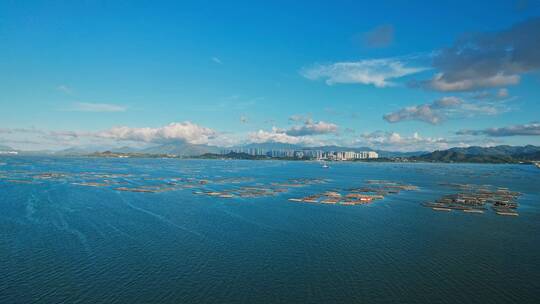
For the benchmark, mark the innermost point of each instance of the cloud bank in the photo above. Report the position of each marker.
(393, 141)
(486, 60)
(298, 134)
(96, 107)
(376, 72)
(311, 127)
(531, 129)
(445, 108)
(174, 132)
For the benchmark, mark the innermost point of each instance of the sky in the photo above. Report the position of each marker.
(392, 75)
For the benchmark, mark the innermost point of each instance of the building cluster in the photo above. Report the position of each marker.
(351, 155)
(307, 153)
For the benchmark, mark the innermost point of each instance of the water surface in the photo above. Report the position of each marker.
(64, 242)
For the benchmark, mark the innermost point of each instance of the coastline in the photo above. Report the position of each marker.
(291, 159)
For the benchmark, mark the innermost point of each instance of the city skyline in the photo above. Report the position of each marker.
(388, 76)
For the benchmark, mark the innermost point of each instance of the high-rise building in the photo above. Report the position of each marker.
(373, 154)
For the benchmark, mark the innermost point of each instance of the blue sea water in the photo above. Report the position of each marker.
(63, 242)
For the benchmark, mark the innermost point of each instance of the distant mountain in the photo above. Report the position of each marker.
(76, 151)
(271, 146)
(340, 149)
(125, 149)
(497, 150)
(181, 149)
(391, 154)
(85, 150)
(231, 155)
(497, 154)
(530, 156)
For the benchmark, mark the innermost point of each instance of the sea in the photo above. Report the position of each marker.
(99, 230)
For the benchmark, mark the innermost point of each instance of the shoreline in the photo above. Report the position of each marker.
(378, 160)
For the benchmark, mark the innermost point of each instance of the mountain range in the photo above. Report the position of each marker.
(496, 154)
(186, 149)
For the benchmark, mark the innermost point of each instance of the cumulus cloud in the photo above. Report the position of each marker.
(445, 108)
(174, 132)
(440, 84)
(311, 127)
(433, 113)
(531, 129)
(377, 72)
(500, 94)
(421, 112)
(397, 142)
(379, 37)
(187, 132)
(275, 135)
(393, 141)
(299, 134)
(486, 60)
(96, 107)
(37, 139)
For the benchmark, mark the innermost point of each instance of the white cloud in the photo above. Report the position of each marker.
(393, 141)
(421, 113)
(216, 60)
(275, 135)
(440, 84)
(178, 131)
(311, 127)
(432, 113)
(377, 72)
(487, 60)
(531, 129)
(500, 94)
(96, 107)
(445, 108)
(293, 135)
(175, 132)
(306, 134)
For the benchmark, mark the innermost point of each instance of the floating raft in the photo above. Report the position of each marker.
(441, 209)
(375, 190)
(473, 211)
(474, 199)
(508, 213)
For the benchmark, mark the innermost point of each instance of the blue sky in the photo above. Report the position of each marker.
(396, 75)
